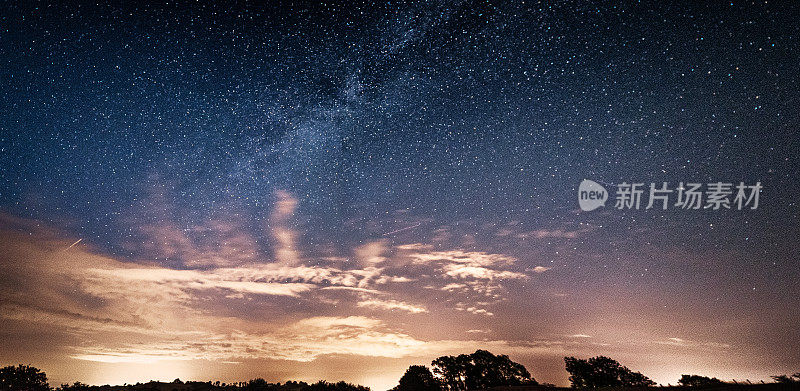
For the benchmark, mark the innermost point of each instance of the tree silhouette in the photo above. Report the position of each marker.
(257, 385)
(480, 370)
(340, 386)
(22, 378)
(418, 378)
(602, 371)
(77, 386)
(452, 371)
(698, 381)
(787, 379)
(251, 385)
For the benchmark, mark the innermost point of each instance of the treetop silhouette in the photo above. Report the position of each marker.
(602, 371)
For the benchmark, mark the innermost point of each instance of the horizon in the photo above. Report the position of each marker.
(338, 191)
(787, 380)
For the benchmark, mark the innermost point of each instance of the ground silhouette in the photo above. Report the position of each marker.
(481, 370)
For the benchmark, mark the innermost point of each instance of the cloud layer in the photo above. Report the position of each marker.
(212, 292)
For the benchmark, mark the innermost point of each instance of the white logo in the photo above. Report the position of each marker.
(591, 195)
(688, 195)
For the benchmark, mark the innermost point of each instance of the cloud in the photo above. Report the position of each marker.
(353, 335)
(549, 233)
(414, 247)
(307, 340)
(540, 269)
(478, 272)
(285, 206)
(372, 252)
(159, 234)
(478, 258)
(391, 305)
(135, 311)
(454, 286)
(680, 342)
(476, 311)
(213, 243)
(286, 251)
(352, 288)
(466, 264)
(304, 340)
(199, 280)
(383, 279)
(147, 313)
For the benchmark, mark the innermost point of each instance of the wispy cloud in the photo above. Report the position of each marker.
(540, 269)
(680, 342)
(458, 256)
(286, 251)
(146, 311)
(226, 279)
(391, 305)
(371, 253)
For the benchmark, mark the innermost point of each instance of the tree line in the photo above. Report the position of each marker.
(466, 372)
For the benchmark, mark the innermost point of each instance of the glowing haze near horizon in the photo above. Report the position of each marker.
(337, 192)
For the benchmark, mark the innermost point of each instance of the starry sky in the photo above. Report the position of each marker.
(337, 191)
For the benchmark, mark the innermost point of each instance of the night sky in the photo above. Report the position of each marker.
(338, 191)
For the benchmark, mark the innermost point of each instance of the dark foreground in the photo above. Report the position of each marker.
(721, 387)
(341, 386)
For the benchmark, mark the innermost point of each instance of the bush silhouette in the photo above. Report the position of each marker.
(602, 371)
(77, 386)
(698, 381)
(22, 378)
(784, 379)
(340, 386)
